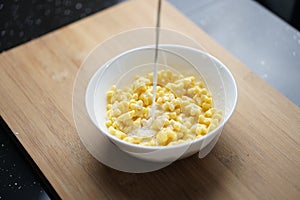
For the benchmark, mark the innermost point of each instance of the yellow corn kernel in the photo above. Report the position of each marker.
(162, 137)
(115, 112)
(218, 115)
(176, 103)
(146, 98)
(127, 129)
(133, 140)
(176, 125)
(135, 96)
(204, 98)
(172, 115)
(179, 118)
(200, 129)
(197, 99)
(117, 133)
(117, 125)
(209, 113)
(177, 111)
(110, 93)
(183, 130)
(108, 123)
(206, 106)
(123, 106)
(153, 142)
(195, 110)
(177, 88)
(203, 91)
(214, 123)
(146, 112)
(188, 137)
(188, 81)
(137, 122)
(187, 124)
(159, 101)
(126, 116)
(108, 106)
(108, 114)
(128, 139)
(160, 122)
(145, 144)
(204, 120)
(172, 136)
(200, 84)
(167, 106)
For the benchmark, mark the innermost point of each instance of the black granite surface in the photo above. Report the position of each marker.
(20, 178)
(24, 20)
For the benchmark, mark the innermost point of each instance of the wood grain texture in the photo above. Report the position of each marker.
(257, 156)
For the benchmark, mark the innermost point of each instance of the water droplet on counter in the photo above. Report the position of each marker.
(87, 10)
(16, 183)
(67, 3)
(19, 187)
(39, 7)
(2, 145)
(10, 175)
(57, 3)
(21, 34)
(78, 6)
(38, 21)
(265, 76)
(11, 32)
(294, 53)
(3, 33)
(29, 21)
(262, 62)
(47, 12)
(1, 6)
(67, 12)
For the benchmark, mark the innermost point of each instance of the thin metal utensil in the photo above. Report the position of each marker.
(156, 59)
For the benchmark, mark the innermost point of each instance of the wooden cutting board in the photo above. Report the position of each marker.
(257, 156)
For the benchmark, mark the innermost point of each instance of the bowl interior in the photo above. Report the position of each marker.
(180, 59)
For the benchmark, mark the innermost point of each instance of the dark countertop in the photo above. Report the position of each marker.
(20, 178)
(24, 20)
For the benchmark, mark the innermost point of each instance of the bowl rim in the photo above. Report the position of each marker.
(187, 143)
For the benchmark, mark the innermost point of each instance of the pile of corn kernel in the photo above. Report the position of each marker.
(184, 110)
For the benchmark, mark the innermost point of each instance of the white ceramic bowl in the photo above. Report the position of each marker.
(122, 69)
